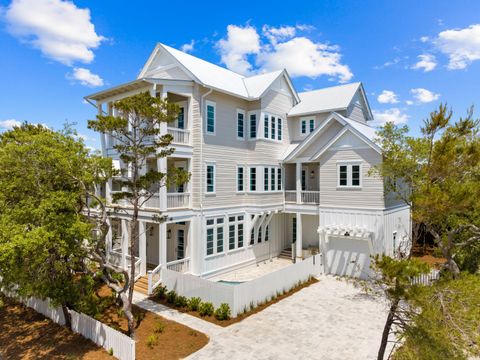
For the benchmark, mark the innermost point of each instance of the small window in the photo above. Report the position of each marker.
(259, 240)
(265, 179)
(220, 239)
(252, 236)
(272, 130)
(355, 175)
(272, 179)
(210, 117)
(240, 234)
(210, 178)
(209, 240)
(303, 129)
(240, 185)
(266, 233)
(349, 175)
(240, 124)
(279, 179)
(343, 175)
(279, 129)
(304, 180)
(231, 237)
(294, 229)
(265, 127)
(181, 118)
(253, 126)
(312, 125)
(253, 179)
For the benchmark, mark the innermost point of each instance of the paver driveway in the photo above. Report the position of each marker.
(328, 320)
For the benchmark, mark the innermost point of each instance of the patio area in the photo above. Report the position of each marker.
(253, 271)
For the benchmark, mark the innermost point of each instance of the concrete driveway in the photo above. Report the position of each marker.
(328, 320)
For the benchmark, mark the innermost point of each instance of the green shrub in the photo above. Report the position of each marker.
(159, 292)
(171, 297)
(206, 309)
(159, 327)
(110, 351)
(139, 316)
(223, 312)
(194, 303)
(151, 340)
(181, 302)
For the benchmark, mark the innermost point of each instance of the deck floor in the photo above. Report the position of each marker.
(253, 271)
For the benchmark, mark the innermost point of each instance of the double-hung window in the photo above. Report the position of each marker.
(265, 126)
(240, 177)
(272, 179)
(312, 125)
(253, 179)
(210, 178)
(253, 126)
(211, 115)
(240, 124)
(279, 179)
(265, 178)
(272, 130)
(181, 118)
(279, 129)
(349, 174)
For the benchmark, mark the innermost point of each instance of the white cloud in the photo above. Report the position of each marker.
(239, 43)
(462, 46)
(188, 47)
(424, 95)
(244, 52)
(387, 97)
(394, 115)
(9, 124)
(59, 29)
(424, 39)
(409, 102)
(426, 62)
(85, 77)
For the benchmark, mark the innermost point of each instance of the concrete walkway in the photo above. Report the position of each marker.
(328, 320)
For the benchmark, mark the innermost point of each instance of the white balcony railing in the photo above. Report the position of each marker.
(182, 265)
(180, 136)
(178, 200)
(153, 202)
(306, 197)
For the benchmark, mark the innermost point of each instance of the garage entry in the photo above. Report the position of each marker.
(348, 256)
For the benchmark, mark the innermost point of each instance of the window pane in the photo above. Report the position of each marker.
(343, 175)
(279, 179)
(220, 239)
(266, 233)
(253, 126)
(231, 237)
(279, 129)
(209, 241)
(312, 125)
(294, 229)
(240, 235)
(304, 126)
(240, 179)
(259, 240)
(181, 118)
(240, 218)
(265, 179)
(220, 220)
(272, 179)
(253, 179)
(265, 127)
(355, 175)
(252, 236)
(240, 125)
(272, 132)
(210, 178)
(231, 218)
(210, 222)
(210, 118)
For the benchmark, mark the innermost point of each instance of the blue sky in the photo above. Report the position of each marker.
(410, 55)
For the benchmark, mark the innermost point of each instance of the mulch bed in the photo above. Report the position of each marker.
(241, 316)
(26, 334)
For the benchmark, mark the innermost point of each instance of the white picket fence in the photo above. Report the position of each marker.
(122, 345)
(427, 279)
(241, 296)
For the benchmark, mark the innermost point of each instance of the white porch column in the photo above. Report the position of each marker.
(298, 177)
(124, 243)
(195, 236)
(142, 246)
(162, 243)
(299, 249)
(162, 162)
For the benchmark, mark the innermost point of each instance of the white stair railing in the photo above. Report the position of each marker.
(154, 278)
(182, 265)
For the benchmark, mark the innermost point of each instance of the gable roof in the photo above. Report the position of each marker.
(363, 131)
(329, 99)
(220, 78)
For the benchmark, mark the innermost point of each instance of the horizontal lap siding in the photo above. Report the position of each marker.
(370, 195)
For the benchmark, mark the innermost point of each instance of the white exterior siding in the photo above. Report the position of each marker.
(357, 109)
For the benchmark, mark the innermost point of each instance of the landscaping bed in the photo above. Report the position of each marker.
(26, 334)
(184, 305)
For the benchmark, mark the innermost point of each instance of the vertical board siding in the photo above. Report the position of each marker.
(397, 220)
(122, 345)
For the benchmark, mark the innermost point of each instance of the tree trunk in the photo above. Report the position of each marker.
(67, 316)
(131, 285)
(386, 330)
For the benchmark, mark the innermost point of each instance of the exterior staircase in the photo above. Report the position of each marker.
(141, 285)
(286, 254)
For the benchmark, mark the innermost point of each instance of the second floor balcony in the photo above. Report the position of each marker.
(180, 136)
(302, 183)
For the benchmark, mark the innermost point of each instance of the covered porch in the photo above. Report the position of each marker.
(302, 182)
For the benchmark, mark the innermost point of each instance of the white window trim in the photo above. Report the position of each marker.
(269, 138)
(235, 223)
(349, 164)
(257, 114)
(210, 193)
(245, 128)
(236, 180)
(215, 226)
(307, 125)
(256, 179)
(207, 104)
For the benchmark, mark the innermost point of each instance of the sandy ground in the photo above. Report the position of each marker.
(329, 320)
